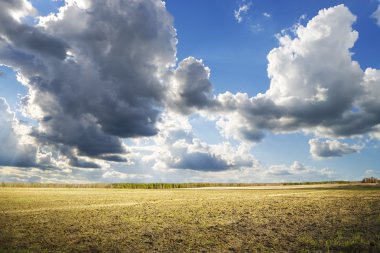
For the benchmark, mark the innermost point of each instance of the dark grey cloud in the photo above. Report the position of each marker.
(201, 161)
(24, 36)
(79, 163)
(192, 88)
(114, 158)
(81, 133)
(94, 75)
(253, 135)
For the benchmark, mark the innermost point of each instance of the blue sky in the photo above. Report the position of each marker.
(92, 114)
(236, 53)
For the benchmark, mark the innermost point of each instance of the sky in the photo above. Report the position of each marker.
(189, 91)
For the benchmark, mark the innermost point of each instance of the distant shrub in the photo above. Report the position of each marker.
(319, 182)
(370, 180)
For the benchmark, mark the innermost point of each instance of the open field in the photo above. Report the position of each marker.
(184, 220)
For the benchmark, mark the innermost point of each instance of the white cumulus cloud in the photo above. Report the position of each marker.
(315, 86)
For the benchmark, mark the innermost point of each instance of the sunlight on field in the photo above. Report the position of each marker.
(183, 220)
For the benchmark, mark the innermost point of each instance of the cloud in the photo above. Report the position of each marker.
(81, 163)
(331, 148)
(376, 15)
(114, 158)
(25, 37)
(104, 88)
(16, 9)
(173, 155)
(372, 173)
(15, 148)
(115, 176)
(242, 11)
(315, 86)
(267, 15)
(306, 90)
(12, 174)
(299, 172)
(201, 161)
(191, 88)
(176, 147)
(294, 169)
(94, 70)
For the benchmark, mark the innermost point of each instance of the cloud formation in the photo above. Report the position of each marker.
(267, 15)
(190, 87)
(24, 37)
(110, 77)
(94, 71)
(315, 86)
(15, 149)
(376, 15)
(331, 148)
(201, 161)
(242, 11)
(299, 172)
(104, 87)
(176, 147)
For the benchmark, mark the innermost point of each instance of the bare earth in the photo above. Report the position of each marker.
(315, 218)
(284, 187)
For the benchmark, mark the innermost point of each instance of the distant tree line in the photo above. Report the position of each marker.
(52, 185)
(158, 185)
(370, 180)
